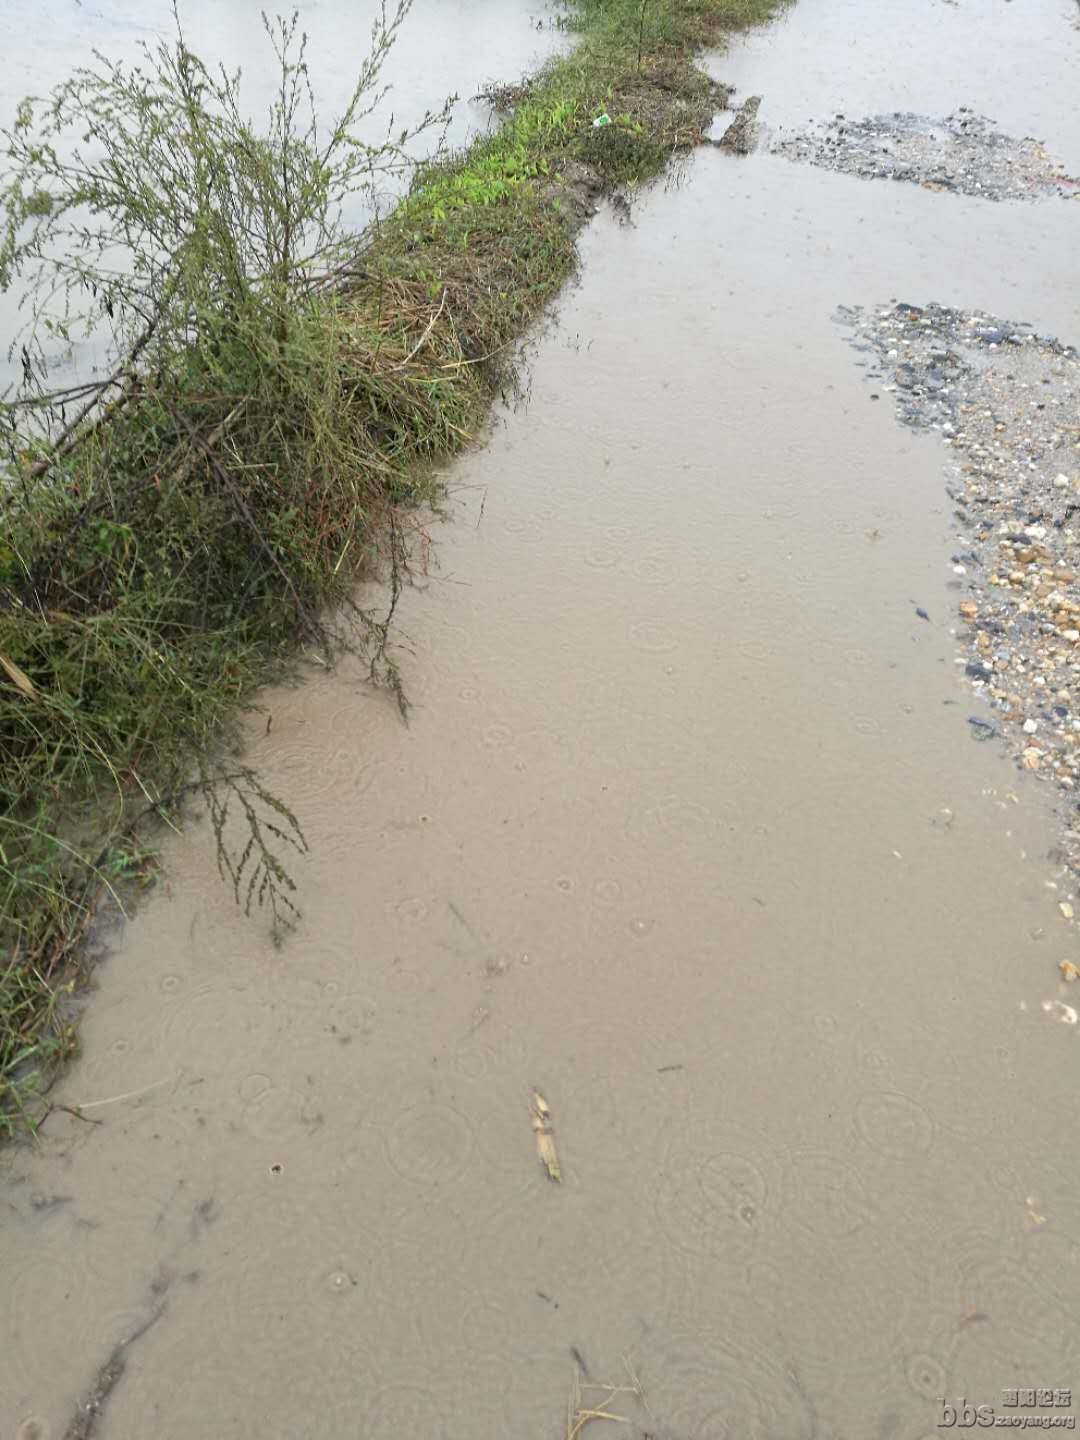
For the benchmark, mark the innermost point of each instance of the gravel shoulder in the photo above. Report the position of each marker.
(962, 152)
(1005, 402)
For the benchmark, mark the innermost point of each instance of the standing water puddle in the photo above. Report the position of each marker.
(686, 834)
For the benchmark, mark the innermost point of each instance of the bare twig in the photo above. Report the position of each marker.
(69, 437)
(389, 673)
(69, 1110)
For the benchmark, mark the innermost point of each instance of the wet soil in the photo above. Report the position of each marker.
(686, 834)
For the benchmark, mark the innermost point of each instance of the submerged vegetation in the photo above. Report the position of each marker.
(172, 531)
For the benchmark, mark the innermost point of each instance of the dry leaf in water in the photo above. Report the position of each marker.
(545, 1138)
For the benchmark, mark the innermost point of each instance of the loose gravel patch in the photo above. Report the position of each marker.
(1006, 403)
(963, 153)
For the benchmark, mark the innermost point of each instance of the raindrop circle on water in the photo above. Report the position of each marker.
(429, 1143)
(894, 1125)
(339, 1282)
(926, 1376)
(253, 1086)
(495, 736)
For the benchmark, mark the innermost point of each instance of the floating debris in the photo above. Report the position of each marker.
(1006, 404)
(981, 729)
(963, 153)
(545, 1138)
(595, 1401)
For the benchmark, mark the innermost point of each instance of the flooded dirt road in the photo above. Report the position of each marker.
(687, 833)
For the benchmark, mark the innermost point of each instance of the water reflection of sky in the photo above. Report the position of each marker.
(445, 47)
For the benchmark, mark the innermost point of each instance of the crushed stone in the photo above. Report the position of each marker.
(1006, 404)
(963, 153)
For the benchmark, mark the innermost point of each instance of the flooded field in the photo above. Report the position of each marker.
(687, 833)
(447, 48)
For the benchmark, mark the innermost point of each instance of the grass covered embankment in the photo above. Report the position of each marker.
(172, 533)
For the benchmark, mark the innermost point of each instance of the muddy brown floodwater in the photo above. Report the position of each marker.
(687, 833)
